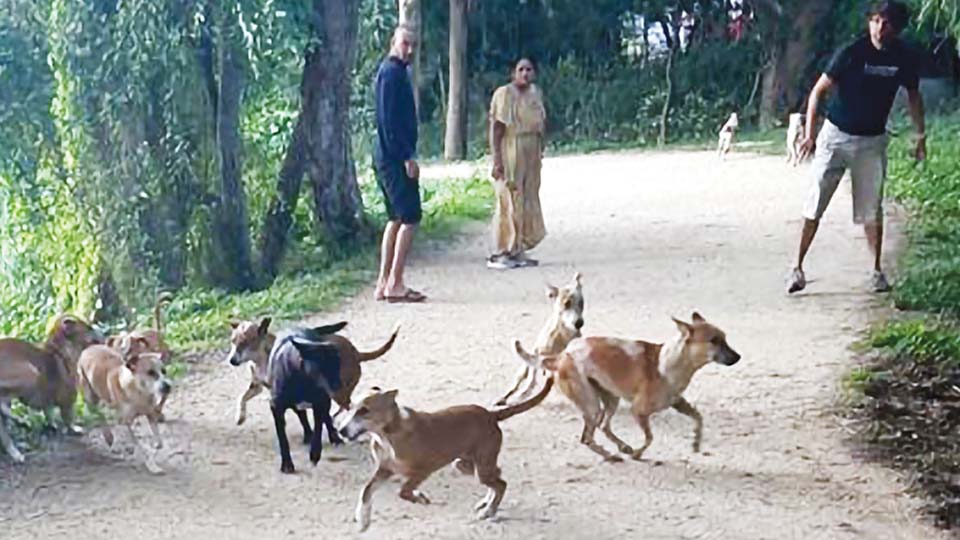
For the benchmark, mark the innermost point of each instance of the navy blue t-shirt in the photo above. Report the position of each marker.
(396, 112)
(866, 82)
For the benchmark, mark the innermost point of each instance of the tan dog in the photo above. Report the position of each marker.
(563, 325)
(795, 135)
(43, 376)
(252, 342)
(725, 137)
(131, 383)
(415, 444)
(147, 340)
(597, 372)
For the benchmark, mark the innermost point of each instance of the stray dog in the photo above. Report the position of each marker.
(251, 343)
(725, 139)
(303, 370)
(147, 340)
(597, 372)
(415, 444)
(796, 132)
(131, 383)
(43, 376)
(563, 325)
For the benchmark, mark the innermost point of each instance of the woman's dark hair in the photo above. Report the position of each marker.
(896, 12)
(513, 66)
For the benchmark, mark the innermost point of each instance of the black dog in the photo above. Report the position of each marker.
(304, 369)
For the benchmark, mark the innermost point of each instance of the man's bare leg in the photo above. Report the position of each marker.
(387, 248)
(404, 239)
(797, 280)
(874, 232)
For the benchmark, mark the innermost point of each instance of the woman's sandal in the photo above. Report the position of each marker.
(409, 297)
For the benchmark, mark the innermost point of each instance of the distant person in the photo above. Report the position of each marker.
(865, 77)
(517, 121)
(394, 157)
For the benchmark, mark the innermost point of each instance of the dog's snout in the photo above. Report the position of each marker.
(165, 387)
(732, 357)
(234, 360)
(578, 324)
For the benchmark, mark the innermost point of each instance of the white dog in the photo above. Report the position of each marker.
(795, 136)
(725, 142)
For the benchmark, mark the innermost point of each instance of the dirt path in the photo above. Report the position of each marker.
(655, 235)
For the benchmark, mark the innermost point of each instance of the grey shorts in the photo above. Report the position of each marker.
(864, 156)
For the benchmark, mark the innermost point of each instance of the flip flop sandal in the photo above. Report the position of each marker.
(409, 297)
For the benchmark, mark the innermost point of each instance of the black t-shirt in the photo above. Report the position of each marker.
(866, 81)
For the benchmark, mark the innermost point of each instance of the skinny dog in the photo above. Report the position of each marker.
(131, 383)
(795, 135)
(415, 444)
(725, 137)
(563, 325)
(597, 372)
(147, 340)
(252, 342)
(43, 376)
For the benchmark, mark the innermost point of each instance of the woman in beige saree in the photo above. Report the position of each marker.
(517, 119)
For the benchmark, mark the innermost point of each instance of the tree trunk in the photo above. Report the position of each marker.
(455, 141)
(665, 114)
(411, 17)
(232, 232)
(273, 238)
(338, 207)
(790, 57)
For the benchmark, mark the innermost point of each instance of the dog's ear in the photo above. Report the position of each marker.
(113, 342)
(684, 328)
(551, 291)
(264, 325)
(391, 395)
(578, 279)
(234, 323)
(697, 318)
(131, 361)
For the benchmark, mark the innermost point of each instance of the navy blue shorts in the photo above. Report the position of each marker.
(400, 192)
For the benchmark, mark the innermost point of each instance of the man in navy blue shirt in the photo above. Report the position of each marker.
(394, 157)
(864, 77)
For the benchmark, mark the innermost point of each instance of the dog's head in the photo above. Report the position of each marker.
(373, 413)
(147, 373)
(73, 331)
(796, 121)
(568, 303)
(249, 342)
(704, 343)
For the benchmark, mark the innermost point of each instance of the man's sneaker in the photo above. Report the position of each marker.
(500, 262)
(796, 281)
(879, 282)
(523, 261)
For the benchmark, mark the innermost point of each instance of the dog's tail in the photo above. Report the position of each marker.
(163, 299)
(545, 361)
(524, 406)
(373, 355)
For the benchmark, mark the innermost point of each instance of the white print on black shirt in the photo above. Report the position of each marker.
(881, 71)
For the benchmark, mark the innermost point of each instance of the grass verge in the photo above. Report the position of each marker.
(907, 398)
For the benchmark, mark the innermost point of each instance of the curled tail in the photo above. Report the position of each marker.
(524, 406)
(162, 300)
(373, 355)
(545, 361)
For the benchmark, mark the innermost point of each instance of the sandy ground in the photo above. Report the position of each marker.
(655, 235)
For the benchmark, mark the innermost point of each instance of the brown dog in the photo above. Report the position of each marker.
(43, 376)
(252, 342)
(563, 325)
(131, 383)
(415, 444)
(147, 340)
(597, 372)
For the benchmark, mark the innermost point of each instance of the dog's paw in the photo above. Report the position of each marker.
(613, 459)
(314, 458)
(287, 467)
(637, 455)
(362, 518)
(625, 449)
(487, 513)
(241, 418)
